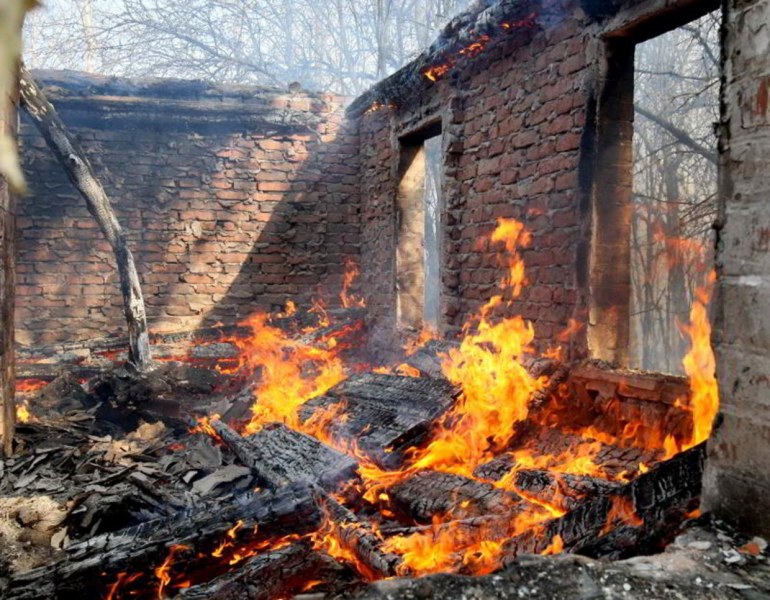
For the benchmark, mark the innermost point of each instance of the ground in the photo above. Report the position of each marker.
(707, 562)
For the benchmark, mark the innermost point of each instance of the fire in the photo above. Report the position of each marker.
(291, 371)
(621, 512)
(495, 386)
(347, 299)
(700, 365)
(163, 572)
(24, 386)
(22, 413)
(472, 50)
(556, 546)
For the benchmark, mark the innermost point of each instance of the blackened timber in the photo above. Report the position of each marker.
(383, 414)
(539, 440)
(272, 574)
(300, 457)
(245, 453)
(7, 282)
(78, 168)
(358, 537)
(430, 493)
(90, 566)
(659, 499)
(350, 531)
(562, 490)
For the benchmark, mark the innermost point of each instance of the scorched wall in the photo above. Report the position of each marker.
(233, 198)
(512, 119)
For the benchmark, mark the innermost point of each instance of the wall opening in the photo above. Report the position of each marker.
(418, 212)
(621, 294)
(676, 101)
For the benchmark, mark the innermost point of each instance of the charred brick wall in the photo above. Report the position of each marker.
(234, 199)
(737, 484)
(513, 119)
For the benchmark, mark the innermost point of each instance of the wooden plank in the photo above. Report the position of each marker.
(273, 574)
(384, 414)
(7, 288)
(561, 490)
(91, 566)
(299, 457)
(651, 506)
(540, 441)
(427, 494)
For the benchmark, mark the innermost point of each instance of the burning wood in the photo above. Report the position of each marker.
(389, 474)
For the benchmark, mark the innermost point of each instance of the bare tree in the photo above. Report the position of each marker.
(337, 45)
(675, 185)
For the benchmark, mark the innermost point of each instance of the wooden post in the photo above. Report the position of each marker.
(78, 168)
(7, 285)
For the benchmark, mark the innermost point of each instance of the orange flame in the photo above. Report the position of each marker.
(163, 572)
(700, 365)
(351, 273)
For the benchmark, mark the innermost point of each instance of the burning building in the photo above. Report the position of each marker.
(392, 335)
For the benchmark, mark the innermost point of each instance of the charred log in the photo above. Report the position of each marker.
(300, 457)
(429, 493)
(562, 490)
(273, 574)
(89, 567)
(650, 507)
(79, 170)
(384, 414)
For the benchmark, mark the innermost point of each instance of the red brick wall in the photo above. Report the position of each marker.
(513, 120)
(234, 199)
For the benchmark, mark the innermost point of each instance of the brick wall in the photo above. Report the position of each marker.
(737, 484)
(513, 122)
(234, 199)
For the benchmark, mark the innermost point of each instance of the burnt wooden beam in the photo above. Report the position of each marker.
(272, 574)
(651, 506)
(7, 278)
(384, 414)
(462, 31)
(91, 566)
(70, 155)
(427, 494)
(351, 532)
(299, 457)
(562, 490)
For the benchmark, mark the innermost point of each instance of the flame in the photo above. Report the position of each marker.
(621, 511)
(23, 415)
(204, 426)
(328, 538)
(495, 386)
(29, 385)
(472, 50)
(700, 365)
(351, 273)
(163, 572)
(555, 547)
(291, 371)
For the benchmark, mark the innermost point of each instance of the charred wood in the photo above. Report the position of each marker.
(299, 457)
(383, 414)
(427, 494)
(562, 490)
(90, 566)
(79, 170)
(273, 574)
(652, 506)
(358, 537)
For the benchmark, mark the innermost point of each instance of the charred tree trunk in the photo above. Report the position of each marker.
(7, 284)
(78, 168)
